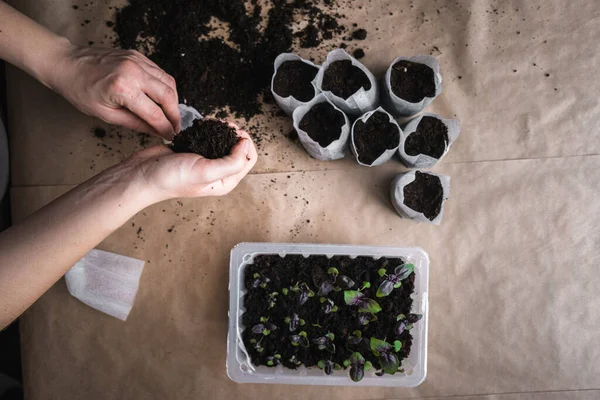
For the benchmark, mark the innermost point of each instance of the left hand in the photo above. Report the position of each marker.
(121, 87)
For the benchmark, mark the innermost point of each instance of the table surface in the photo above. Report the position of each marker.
(514, 310)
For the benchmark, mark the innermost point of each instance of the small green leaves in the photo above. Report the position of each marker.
(334, 309)
(333, 271)
(346, 363)
(357, 358)
(287, 320)
(382, 272)
(397, 285)
(299, 340)
(264, 329)
(321, 364)
(302, 322)
(294, 360)
(379, 346)
(285, 291)
(259, 281)
(270, 363)
(405, 323)
(368, 365)
(264, 319)
(274, 360)
(325, 342)
(330, 335)
(365, 285)
(397, 345)
(400, 317)
(256, 275)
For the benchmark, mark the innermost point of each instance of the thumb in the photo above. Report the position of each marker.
(221, 168)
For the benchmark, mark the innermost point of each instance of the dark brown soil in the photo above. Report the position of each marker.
(100, 133)
(359, 34)
(344, 79)
(295, 269)
(358, 54)
(294, 79)
(425, 194)
(412, 81)
(430, 138)
(211, 74)
(374, 137)
(210, 138)
(323, 123)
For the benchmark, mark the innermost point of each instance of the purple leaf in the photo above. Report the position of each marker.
(325, 289)
(321, 340)
(294, 322)
(370, 306)
(403, 271)
(389, 363)
(256, 283)
(357, 372)
(412, 318)
(303, 298)
(258, 328)
(385, 288)
(328, 368)
(344, 282)
(357, 359)
(380, 346)
(352, 297)
(400, 327)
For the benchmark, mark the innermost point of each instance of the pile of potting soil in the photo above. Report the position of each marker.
(430, 138)
(374, 137)
(209, 138)
(425, 194)
(213, 74)
(323, 123)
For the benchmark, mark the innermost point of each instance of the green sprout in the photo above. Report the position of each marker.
(405, 323)
(357, 298)
(301, 339)
(328, 366)
(393, 281)
(274, 360)
(325, 342)
(385, 354)
(259, 281)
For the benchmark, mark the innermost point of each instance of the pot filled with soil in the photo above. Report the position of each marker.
(426, 139)
(323, 129)
(210, 138)
(347, 83)
(375, 137)
(411, 84)
(327, 315)
(420, 196)
(293, 83)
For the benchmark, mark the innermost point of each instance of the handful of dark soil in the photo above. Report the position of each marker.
(412, 81)
(323, 123)
(374, 137)
(344, 79)
(430, 138)
(294, 79)
(332, 313)
(209, 138)
(425, 195)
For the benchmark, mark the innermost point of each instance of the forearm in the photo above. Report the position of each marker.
(30, 46)
(37, 252)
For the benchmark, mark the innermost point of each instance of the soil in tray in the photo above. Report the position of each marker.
(425, 194)
(344, 79)
(374, 137)
(412, 81)
(275, 287)
(430, 138)
(294, 79)
(210, 138)
(323, 123)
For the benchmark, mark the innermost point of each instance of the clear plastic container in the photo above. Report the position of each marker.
(241, 370)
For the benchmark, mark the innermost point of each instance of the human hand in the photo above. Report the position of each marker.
(121, 87)
(169, 175)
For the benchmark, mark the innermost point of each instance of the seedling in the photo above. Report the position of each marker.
(325, 342)
(355, 338)
(304, 292)
(260, 281)
(335, 282)
(328, 366)
(301, 339)
(393, 281)
(358, 366)
(265, 327)
(365, 319)
(294, 322)
(294, 360)
(357, 298)
(385, 354)
(274, 360)
(273, 299)
(328, 305)
(257, 344)
(405, 323)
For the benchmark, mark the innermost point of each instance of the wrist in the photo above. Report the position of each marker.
(56, 67)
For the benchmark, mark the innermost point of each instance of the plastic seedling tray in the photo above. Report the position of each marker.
(239, 366)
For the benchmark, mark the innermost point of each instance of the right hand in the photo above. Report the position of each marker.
(121, 87)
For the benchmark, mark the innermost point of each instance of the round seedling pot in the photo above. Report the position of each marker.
(375, 137)
(323, 129)
(420, 196)
(293, 82)
(347, 83)
(411, 84)
(426, 139)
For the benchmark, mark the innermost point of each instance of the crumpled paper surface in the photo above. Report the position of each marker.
(514, 307)
(106, 281)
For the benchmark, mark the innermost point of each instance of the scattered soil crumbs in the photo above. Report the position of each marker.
(294, 79)
(359, 34)
(208, 137)
(99, 133)
(344, 79)
(186, 38)
(323, 123)
(425, 194)
(430, 138)
(283, 276)
(358, 54)
(412, 81)
(374, 137)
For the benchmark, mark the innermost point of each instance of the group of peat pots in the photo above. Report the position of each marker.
(339, 104)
